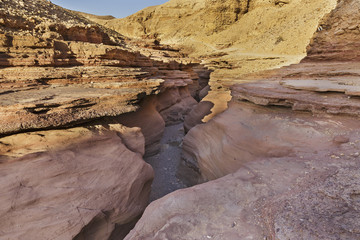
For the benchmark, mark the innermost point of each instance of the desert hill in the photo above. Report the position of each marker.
(205, 27)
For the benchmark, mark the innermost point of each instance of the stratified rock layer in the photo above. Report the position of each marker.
(211, 28)
(338, 39)
(72, 79)
(318, 87)
(246, 132)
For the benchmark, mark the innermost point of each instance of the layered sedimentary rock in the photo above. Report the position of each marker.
(337, 39)
(247, 132)
(231, 37)
(100, 80)
(70, 168)
(289, 147)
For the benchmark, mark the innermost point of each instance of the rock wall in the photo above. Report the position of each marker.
(72, 184)
(213, 26)
(246, 133)
(71, 79)
(279, 198)
(233, 38)
(70, 168)
(338, 35)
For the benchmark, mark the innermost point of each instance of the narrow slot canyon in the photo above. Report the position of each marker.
(164, 119)
(166, 163)
(191, 120)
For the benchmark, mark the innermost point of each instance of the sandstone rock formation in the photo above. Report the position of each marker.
(266, 199)
(219, 25)
(90, 187)
(231, 37)
(80, 105)
(99, 80)
(289, 147)
(68, 87)
(315, 85)
(338, 39)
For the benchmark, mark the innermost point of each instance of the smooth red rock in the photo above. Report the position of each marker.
(88, 188)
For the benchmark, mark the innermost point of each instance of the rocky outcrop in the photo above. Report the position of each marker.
(284, 154)
(320, 88)
(211, 25)
(279, 198)
(288, 146)
(246, 132)
(197, 114)
(68, 87)
(71, 79)
(73, 184)
(337, 38)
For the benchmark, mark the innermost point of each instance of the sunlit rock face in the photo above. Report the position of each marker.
(233, 38)
(313, 92)
(80, 106)
(278, 198)
(338, 37)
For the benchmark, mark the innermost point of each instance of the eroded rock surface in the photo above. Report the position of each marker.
(82, 71)
(279, 198)
(246, 132)
(318, 87)
(85, 189)
(70, 168)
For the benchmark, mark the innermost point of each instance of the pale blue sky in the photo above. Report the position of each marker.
(117, 8)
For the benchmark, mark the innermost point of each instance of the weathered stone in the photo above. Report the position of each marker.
(70, 168)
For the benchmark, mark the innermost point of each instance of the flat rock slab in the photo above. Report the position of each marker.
(269, 93)
(268, 199)
(351, 88)
(61, 106)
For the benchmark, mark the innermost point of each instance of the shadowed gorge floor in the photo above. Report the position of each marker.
(166, 163)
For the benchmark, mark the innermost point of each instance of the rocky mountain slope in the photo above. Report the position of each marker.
(68, 87)
(232, 37)
(218, 25)
(285, 154)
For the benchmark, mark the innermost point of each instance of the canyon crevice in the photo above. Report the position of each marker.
(93, 108)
